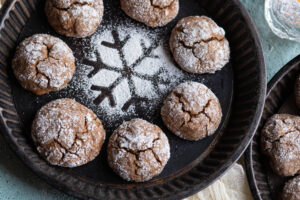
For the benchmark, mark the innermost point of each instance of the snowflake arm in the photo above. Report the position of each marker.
(98, 65)
(147, 53)
(118, 44)
(126, 73)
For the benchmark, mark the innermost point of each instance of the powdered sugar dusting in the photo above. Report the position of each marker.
(281, 142)
(143, 142)
(192, 111)
(77, 18)
(151, 12)
(136, 69)
(48, 63)
(199, 45)
(67, 134)
(291, 190)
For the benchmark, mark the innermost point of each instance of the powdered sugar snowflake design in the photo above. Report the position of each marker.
(131, 69)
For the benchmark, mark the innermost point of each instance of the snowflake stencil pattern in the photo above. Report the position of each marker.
(120, 58)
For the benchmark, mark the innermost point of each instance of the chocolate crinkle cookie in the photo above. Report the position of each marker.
(280, 141)
(192, 111)
(67, 133)
(138, 150)
(291, 190)
(199, 45)
(43, 63)
(153, 13)
(74, 18)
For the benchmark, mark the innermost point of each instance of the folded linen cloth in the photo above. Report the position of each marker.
(231, 186)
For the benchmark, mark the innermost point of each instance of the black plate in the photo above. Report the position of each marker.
(240, 86)
(264, 183)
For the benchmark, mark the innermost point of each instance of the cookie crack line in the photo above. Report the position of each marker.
(39, 61)
(86, 127)
(137, 152)
(205, 107)
(161, 7)
(296, 127)
(37, 69)
(202, 40)
(72, 4)
(61, 147)
(67, 150)
(73, 27)
(60, 150)
(286, 124)
(213, 37)
(179, 96)
(192, 47)
(278, 139)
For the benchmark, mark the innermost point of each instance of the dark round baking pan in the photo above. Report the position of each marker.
(240, 86)
(264, 183)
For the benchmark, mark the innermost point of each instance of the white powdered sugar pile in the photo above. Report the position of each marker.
(131, 63)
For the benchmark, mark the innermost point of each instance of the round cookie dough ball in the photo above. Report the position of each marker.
(281, 143)
(297, 91)
(138, 150)
(74, 18)
(43, 63)
(199, 45)
(153, 13)
(67, 133)
(192, 111)
(291, 190)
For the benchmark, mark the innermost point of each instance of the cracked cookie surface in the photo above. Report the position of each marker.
(43, 64)
(199, 45)
(153, 13)
(291, 190)
(67, 133)
(281, 143)
(192, 111)
(74, 18)
(138, 150)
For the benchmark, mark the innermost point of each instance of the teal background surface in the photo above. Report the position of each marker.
(17, 182)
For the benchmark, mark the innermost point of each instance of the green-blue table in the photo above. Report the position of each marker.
(17, 182)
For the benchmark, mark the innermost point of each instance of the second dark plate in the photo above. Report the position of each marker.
(240, 86)
(264, 183)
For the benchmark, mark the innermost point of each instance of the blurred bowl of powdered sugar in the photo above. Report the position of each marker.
(283, 17)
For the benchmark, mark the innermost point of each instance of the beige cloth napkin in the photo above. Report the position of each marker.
(232, 186)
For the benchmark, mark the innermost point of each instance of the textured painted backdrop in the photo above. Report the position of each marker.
(18, 182)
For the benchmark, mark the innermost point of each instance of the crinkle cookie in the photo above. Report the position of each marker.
(74, 18)
(138, 150)
(280, 139)
(291, 190)
(199, 45)
(192, 111)
(67, 133)
(43, 63)
(153, 13)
